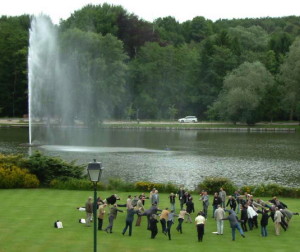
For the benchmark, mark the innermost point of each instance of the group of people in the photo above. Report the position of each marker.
(249, 209)
(233, 204)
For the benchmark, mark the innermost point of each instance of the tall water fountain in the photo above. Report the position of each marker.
(42, 65)
(61, 87)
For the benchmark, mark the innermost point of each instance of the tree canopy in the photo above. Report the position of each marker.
(243, 70)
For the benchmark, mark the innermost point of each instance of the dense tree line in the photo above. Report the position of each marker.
(240, 70)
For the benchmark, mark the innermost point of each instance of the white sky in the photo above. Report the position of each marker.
(149, 10)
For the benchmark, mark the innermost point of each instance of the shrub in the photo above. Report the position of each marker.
(74, 184)
(213, 184)
(247, 189)
(12, 176)
(48, 168)
(171, 188)
(290, 192)
(120, 185)
(145, 186)
(269, 190)
(8, 160)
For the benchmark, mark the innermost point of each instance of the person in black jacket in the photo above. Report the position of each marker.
(231, 202)
(264, 222)
(244, 218)
(181, 197)
(216, 201)
(112, 199)
(153, 226)
(278, 203)
(190, 209)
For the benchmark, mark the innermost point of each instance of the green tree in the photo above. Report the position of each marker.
(94, 18)
(197, 29)
(244, 91)
(160, 77)
(13, 65)
(170, 31)
(109, 19)
(290, 76)
(216, 59)
(95, 69)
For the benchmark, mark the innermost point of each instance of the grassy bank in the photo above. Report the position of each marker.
(15, 122)
(27, 217)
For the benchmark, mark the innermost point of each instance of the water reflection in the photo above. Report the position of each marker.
(135, 155)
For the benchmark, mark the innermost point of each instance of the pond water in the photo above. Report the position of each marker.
(178, 156)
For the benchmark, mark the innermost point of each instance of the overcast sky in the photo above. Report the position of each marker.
(149, 10)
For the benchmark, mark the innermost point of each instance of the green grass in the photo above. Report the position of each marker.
(202, 125)
(27, 218)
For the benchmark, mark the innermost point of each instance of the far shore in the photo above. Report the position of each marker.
(261, 126)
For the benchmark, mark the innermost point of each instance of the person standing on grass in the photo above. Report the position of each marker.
(112, 216)
(264, 222)
(89, 211)
(244, 217)
(143, 198)
(170, 222)
(231, 202)
(163, 220)
(151, 194)
(216, 201)
(277, 220)
(172, 197)
(200, 222)
(236, 196)
(181, 215)
(129, 202)
(149, 212)
(219, 216)
(155, 198)
(222, 195)
(190, 209)
(139, 206)
(205, 202)
(252, 217)
(234, 224)
(101, 213)
(153, 226)
(129, 219)
(181, 197)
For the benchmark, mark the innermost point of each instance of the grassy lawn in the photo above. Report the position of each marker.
(27, 218)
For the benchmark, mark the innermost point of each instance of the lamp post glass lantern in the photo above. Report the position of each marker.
(94, 170)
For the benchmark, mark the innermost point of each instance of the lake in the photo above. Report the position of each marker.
(178, 156)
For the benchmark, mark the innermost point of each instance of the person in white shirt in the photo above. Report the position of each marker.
(277, 219)
(200, 222)
(219, 216)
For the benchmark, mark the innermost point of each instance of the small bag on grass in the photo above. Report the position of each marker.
(58, 224)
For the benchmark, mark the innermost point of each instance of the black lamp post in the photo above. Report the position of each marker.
(94, 170)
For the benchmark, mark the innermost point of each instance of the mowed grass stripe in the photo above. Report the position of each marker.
(27, 218)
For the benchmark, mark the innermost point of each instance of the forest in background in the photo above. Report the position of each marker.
(240, 70)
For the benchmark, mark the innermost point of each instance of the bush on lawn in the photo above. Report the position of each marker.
(66, 183)
(12, 176)
(269, 190)
(213, 184)
(48, 168)
(145, 186)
